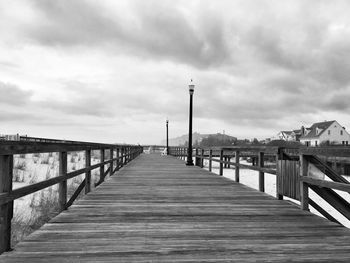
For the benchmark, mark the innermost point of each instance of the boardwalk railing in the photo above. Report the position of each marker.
(119, 155)
(297, 170)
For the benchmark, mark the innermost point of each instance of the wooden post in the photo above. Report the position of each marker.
(202, 159)
(127, 154)
(102, 168)
(6, 210)
(261, 174)
(210, 161)
(111, 154)
(88, 173)
(304, 189)
(196, 159)
(118, 162)
(237, 168)
(279, 196)
(62, 186)
(221, 170)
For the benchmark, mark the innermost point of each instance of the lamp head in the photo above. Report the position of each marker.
(191, 87)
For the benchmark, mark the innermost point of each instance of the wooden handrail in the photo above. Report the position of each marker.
(295, 182)
(326, 184)
(125, 153)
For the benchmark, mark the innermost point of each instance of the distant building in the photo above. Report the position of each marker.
(10, 137)
(328, 132)
(285, 136)
(288, 136)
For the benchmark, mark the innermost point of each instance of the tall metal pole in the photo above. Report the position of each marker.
(189, 152)
(167, 137)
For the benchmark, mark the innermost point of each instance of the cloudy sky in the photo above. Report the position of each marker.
(113, 71)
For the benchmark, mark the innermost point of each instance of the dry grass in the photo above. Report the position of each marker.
(43, 209)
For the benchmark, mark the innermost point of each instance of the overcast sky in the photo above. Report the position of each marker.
(113, 71)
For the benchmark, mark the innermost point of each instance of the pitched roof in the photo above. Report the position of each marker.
(287, 132)
(319, 125)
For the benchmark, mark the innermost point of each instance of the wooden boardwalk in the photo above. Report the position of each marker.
(158, 209)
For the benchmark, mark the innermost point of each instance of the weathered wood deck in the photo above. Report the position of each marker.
(158, 209)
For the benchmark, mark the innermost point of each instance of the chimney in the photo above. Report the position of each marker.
(302, 130)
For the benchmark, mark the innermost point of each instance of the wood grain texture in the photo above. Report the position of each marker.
(157, 209)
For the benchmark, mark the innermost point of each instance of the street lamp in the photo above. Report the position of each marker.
(189, 152)
(167, 137)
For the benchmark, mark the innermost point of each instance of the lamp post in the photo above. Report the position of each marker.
(189, 152)
(167, 137)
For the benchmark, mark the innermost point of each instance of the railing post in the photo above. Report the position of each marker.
(196, 158)
(118, 161)
(88, 173)
(237, 167)
(261, 174)
(221, 170)
(6, 210)
(122, 156)
(62, 186)
(125, 152)
(202, 159)
(210, 161)
(279, 196)
(126, 155)
(102, 168)
(111, 154)
(304, 189)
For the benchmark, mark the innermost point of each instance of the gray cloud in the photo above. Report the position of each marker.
(257, 63)
(11, 94)
(158, 31)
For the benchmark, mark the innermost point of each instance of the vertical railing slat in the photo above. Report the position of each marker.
(102, 167)
(221, 170)
(304, 189)
(237, 168)
(6, 210)
(111, 155)
(62, 186)
(261, 174)
(88, 173)
(210, 159)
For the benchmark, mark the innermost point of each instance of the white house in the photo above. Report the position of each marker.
(288, 135)
(325, 132)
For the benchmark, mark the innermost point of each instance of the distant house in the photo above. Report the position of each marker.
(296, 135)
(285, 135)
(289, 136)
(330, 132)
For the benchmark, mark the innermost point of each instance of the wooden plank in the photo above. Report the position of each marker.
(158, 209)
(76, 193)
(327, 170)
(23, 147)
(326, 184)
(339, 151)
(334, 199)
(29, 189)
(322, 211)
